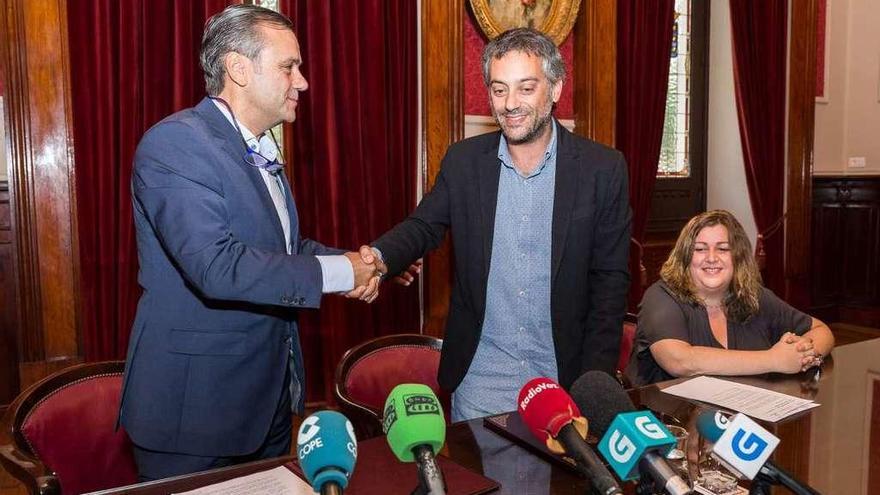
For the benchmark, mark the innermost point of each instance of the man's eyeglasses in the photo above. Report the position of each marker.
(252, 157)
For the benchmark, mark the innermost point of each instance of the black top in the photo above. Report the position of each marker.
(662, 316)
(589, 256)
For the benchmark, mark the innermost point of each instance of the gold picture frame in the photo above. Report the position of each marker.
(555, 18)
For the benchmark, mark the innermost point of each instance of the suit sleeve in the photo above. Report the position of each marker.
(609, 271)
(177, 187)
(422, 231)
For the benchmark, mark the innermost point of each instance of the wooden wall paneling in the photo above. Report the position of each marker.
(846, 240)
(9, 385)
(595, 54)
(799, 156)
(40, 149)
(442, 124)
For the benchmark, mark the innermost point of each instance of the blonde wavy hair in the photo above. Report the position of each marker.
(744, 292)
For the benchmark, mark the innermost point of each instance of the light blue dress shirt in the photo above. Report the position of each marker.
(516, 344)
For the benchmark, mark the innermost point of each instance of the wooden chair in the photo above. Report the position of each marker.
(367, 373)
(627, 341)
(64, 436)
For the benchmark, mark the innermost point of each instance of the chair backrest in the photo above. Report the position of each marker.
(626, 341)
(67, 422)
(367, 373)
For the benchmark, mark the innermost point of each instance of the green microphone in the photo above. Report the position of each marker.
(415, 429)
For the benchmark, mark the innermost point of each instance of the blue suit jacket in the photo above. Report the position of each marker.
(210, 342)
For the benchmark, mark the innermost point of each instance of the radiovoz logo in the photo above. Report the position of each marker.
(534, 391)
(390, 417)
(420, 404)
(747, 448)
(649, 428)
(620, 447)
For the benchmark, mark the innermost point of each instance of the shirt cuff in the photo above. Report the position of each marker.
(337, 274)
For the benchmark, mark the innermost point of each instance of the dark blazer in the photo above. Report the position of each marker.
(589, 250)
(217, 319)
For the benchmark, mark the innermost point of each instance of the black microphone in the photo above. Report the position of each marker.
(602, 399)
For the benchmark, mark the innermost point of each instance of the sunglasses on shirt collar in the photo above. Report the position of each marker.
(252, 157)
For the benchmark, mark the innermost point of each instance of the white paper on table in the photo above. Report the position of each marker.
(278, 481)
(767, 405)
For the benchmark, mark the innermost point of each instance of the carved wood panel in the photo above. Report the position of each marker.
(8, 304)
(33, 49)
(846, 241)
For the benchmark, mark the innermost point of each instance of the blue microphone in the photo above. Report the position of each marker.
(327, 450)
(633, 442)
(744, 447)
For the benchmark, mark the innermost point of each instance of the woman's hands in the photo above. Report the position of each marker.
(794, 353)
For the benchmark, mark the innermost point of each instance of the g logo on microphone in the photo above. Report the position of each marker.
(749, 447)
(649, 428)
(720, 421)
(308, 430)
(620, 447)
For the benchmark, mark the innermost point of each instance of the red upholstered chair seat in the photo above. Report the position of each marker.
(372, 377)
(367, 373)
(65, 424)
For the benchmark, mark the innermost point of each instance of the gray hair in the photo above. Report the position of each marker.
(234, 30)
(529, 41)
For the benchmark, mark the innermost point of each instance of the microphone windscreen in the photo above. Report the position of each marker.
(711, 424)
(413, 417)
(600, 398)
(545, 407)
(327, 448)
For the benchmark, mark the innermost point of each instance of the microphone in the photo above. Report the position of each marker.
(415, 430)
(744, 447)
(632, 442)
(327, 450)
(552, 416)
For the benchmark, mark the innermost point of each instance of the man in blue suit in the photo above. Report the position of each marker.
(214, 365)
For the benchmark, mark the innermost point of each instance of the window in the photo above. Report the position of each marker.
(680, 190)
(675, 152)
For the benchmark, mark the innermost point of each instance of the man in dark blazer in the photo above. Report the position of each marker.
(540, 224)
(214, 363)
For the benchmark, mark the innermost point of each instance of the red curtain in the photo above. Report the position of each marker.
(132, 63)
(644, 44)
(354, 148)
(759, 62)
(354, 151)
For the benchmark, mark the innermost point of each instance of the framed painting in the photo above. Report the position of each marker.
(555, 18)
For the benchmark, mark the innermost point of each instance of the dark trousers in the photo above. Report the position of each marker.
(153, 465)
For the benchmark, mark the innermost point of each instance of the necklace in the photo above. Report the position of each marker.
(714, 306)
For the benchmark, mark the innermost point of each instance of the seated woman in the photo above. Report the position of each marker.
(710, 314)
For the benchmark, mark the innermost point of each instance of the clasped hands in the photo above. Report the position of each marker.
(796, 353)
(369, 271)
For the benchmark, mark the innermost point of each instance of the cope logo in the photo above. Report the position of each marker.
(649, 428)
(308, 430)
(747, 446)
(352, 444)
(390, 417)
(620, 447)
(306, 440)
(420, 404)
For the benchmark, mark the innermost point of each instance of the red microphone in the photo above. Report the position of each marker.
(552, 416)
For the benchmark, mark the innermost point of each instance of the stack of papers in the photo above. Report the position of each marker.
(752, 401)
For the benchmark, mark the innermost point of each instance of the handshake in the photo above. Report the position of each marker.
(369, 270)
